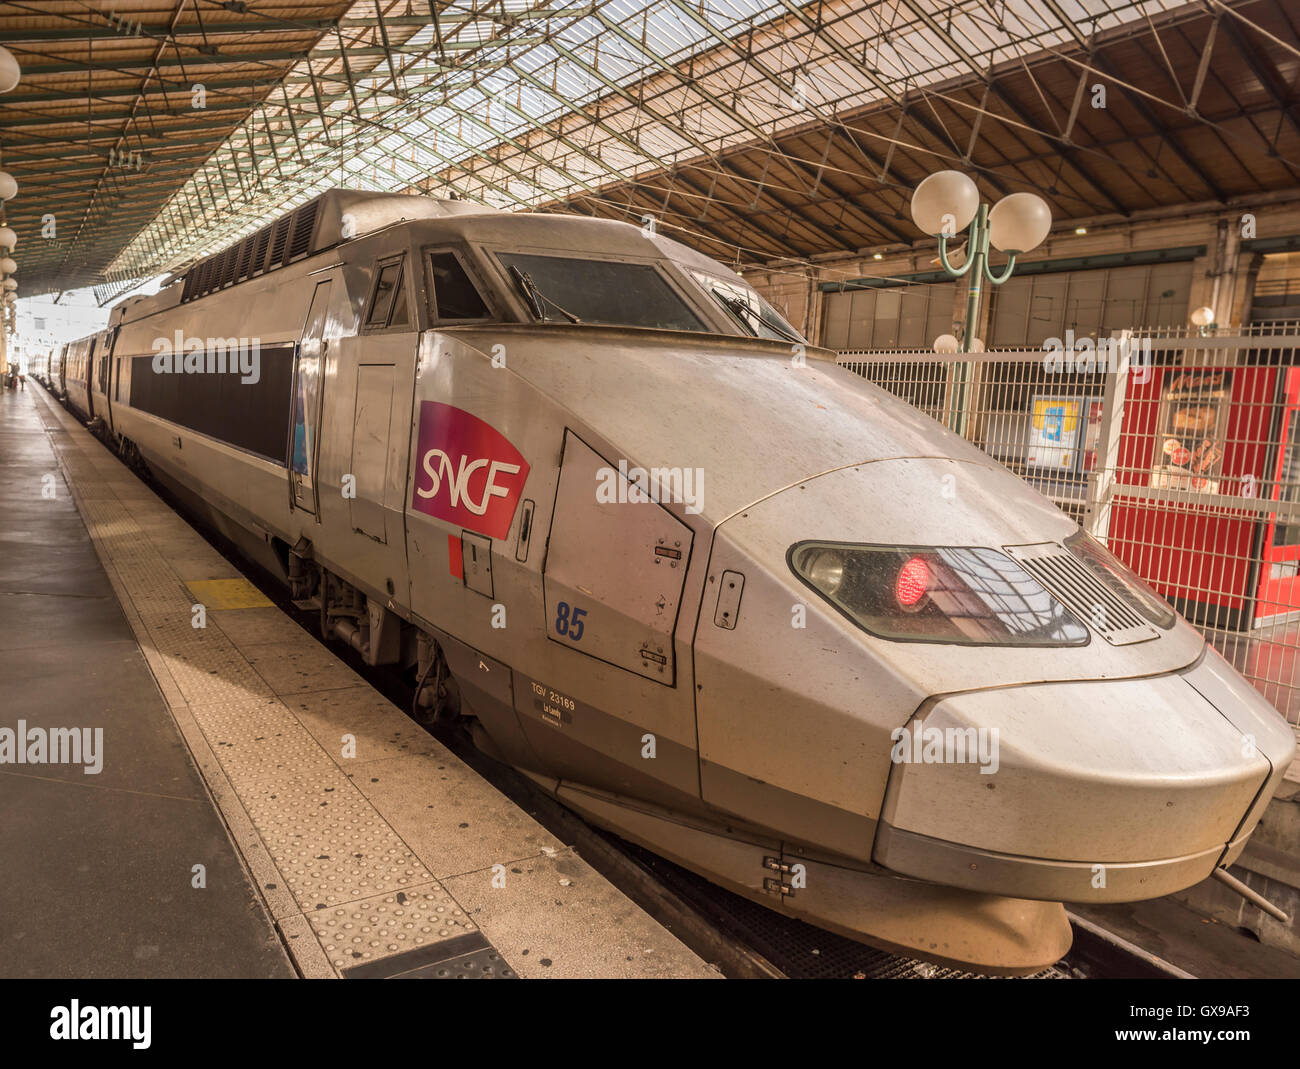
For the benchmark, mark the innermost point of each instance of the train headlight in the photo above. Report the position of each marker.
(954, 594)
(826, 569)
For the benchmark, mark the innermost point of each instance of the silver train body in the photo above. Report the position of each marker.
(846, 664)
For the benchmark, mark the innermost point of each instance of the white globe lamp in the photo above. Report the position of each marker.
(1019, 222)
(945, 203)
(10, 72)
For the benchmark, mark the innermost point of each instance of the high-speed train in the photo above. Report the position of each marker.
(712, 591)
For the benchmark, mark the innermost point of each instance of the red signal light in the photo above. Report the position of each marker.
(912, 583)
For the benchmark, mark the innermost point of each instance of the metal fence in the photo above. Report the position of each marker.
(1178, 449)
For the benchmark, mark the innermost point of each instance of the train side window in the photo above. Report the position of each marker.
(387, 285)
(454, 294)
(400, 316)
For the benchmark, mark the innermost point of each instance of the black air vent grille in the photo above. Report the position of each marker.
(1083, 593)
(289, 238)
(259, 250)
(245, 258)
(304, 222)
(279, 239)
(228, 266)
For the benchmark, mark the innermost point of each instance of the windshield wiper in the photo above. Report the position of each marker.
(739, 307)
(525, 284)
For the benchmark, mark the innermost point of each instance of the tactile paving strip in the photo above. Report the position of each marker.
(260, 739)
(329, 842)
(388, 924)
(334, 851)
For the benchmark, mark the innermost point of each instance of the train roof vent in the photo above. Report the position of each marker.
(304, 223)
(279, 239)
(336, 215)
(228, 265)
(1083, 593)
(259, 251)
(245, 258)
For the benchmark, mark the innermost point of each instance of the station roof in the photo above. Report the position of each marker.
(754, 129)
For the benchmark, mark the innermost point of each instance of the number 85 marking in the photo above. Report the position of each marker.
(568, 622)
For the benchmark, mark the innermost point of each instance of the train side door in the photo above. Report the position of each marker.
(104, 380)
(304, 427)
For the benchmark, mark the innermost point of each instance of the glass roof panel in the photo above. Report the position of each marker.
(521, 102)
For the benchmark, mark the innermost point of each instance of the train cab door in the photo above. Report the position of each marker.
(620, 677)
(308, 377)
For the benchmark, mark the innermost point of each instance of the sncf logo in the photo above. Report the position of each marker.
(470, 475)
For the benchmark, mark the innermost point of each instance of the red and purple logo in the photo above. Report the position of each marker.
(469, 474)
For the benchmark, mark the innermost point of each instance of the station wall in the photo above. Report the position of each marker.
(1155, 269)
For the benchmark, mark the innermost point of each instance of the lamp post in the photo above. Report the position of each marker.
(948, 202)
(1203, 320)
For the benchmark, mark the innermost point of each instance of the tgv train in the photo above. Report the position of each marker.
(714, 592)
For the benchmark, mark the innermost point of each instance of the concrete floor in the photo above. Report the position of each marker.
(98, 870)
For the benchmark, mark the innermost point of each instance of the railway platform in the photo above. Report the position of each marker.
(258, 809)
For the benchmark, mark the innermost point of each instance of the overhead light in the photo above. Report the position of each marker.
(1203, 317)
(877, 256)
(1019, 222)
(1080, 230)
(10, 73)
(945, 201)
(946, 343)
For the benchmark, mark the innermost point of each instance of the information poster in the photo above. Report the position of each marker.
(1191, 430)
(1054, 433)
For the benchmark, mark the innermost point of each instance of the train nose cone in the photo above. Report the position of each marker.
(1102, 791)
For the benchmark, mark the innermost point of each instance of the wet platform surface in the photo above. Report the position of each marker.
(374, 850)
(98, 876)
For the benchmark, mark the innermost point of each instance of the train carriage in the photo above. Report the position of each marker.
(77, 366)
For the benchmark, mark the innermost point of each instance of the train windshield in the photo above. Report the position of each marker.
(747, 309)
(605, 292)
